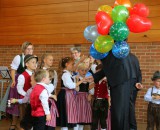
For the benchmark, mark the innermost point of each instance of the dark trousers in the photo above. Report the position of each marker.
(27, 122)
(153, 116)
(49, 128)
(120, 98)
(39, 123)
(132, 116)
(99, 113)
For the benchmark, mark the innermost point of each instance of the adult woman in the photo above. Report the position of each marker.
(17, 67)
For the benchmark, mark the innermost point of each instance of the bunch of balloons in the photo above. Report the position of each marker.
(113, 26)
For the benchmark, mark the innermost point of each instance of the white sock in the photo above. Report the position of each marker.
(76, 127)
(103, 129)
(64, 128)
(81, 127)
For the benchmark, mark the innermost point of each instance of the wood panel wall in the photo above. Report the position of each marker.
(61, 22)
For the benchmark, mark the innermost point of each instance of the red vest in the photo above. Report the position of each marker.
(101, 90)
(27, 83)
(36, 105)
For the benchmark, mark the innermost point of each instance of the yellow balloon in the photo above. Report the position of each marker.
(105, 8)
(104, 44)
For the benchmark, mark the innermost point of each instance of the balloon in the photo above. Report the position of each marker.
(120, 49)
(119, 31)
(104, 22)
(125, 3)
(138, 24)
(90, 33)
(103, 27)
(120, 13)
(103, 44)
(140, 9)
(105, 8)
(95, 54)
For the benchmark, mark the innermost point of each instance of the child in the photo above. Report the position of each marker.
(50, 125)
(25, 78)
(27, 122)
(83, 98)
(39, 100)
(47, 62)
(101, 103)
(153, 97)
(66, 102)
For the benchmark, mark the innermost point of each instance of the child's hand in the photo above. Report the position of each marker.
(109, 102)
(54, 97)
(77, 88)
(139, 86)
(83, 57)
(13, 100)
(89, 97)
(84, 79)
(156, 97)
(48, 117)
(77, 78)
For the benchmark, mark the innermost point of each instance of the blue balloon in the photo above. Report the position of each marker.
(95, 54)
(120, 49)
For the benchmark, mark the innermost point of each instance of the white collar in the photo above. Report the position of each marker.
(43, 84)
(29, 72)
(67, 71)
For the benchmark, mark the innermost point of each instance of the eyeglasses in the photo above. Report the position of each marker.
(29, 49)
(75, 52)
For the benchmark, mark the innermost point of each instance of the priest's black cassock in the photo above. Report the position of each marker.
(120, 75)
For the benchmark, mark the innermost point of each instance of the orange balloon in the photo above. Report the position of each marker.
(125, 3)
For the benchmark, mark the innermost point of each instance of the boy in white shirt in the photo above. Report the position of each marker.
(25, 78)
(153, 97)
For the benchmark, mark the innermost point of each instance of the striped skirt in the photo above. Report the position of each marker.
(66, 104)
(84, 110)
(71, 108)
(54, 113)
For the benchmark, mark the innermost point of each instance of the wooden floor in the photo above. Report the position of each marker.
(5, 123)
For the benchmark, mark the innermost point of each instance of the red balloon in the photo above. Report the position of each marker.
(138, 24)
(102, 16)
(104, 22)
(140, 9)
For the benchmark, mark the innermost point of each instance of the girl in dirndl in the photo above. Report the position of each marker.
(66, 100)
(83, 98)
(47, 63)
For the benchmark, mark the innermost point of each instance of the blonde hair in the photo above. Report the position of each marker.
(51, 73)
(43, 57)
(25, 45)
(40, 74)
(82, 66)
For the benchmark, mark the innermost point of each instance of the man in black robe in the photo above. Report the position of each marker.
(121, 77)
(134, 90)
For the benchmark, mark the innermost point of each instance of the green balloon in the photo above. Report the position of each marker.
(119, 31)
(120, 13)
(103, 44)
